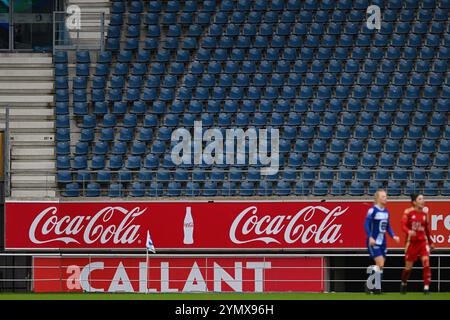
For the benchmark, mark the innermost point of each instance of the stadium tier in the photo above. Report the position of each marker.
(357, 109)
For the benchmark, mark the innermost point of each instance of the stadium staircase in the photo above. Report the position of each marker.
(26, 87)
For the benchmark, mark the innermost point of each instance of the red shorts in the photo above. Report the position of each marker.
(415, 249)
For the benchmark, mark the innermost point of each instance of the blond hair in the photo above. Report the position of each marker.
(377, 193)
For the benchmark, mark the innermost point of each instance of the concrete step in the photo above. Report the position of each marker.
(19, 180)
(28, 113)
(87, 35)
(25, 85)
(41, 152)
(90, 9)
(33, 98)
(9, 73)
(32, 193)
(88, 2)
(39, 165)
(32, 138)
(25, 61)
(16, 127)
(33, 126)
(23, 105)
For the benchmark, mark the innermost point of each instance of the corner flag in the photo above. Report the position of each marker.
(149, 244)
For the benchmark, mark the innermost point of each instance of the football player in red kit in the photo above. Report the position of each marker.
(418, 241)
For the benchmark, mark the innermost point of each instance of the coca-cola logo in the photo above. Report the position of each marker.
(48, 226)
(249, 227)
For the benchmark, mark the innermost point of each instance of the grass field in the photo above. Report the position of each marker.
(223, 296)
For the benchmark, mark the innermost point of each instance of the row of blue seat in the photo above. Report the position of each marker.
(188, 19)
(254, 92)
(290, 122)
(258, 54)
(290, 174)
(197, 79)
(133, 28)
(320, 145)
(329, 32)
(407, 13)
(402, 21)
(292, 41)
(247, 188)
(138, 6)
(305, 132)
(235, 58)
(349, 159)
(253, 106)
(214, 68)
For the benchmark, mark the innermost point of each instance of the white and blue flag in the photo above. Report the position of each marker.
(149, 243)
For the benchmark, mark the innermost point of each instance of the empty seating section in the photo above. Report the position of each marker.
(357, 108)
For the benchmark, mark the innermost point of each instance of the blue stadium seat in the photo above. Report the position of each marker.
(393, 188)
(86, 135)
(302, 188)
(422, 160)
(93, 190)
(97, 162)
(115, 162)
(441, 159)
(363, 174)
(445, 190)
(62, 108)
(81, 148)
(283, 188)
(210, 189)
(356, 188)
(405, 160)
(62, 121)
(62, 148)
(137, 189)
(71, 190)
(79, 162)
(430, 189)
(100, 148)
(64, 176)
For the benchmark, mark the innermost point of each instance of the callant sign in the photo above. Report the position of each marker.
(179, 274)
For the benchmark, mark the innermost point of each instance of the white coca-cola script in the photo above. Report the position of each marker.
(250, 227)
(48, 226)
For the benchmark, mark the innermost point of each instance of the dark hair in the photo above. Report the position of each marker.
(414, 197)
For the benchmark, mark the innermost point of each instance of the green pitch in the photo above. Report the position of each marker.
(223, 296)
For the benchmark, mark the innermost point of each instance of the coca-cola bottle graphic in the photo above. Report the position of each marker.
(188, 227)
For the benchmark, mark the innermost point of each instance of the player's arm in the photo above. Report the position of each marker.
(368, 226)
(391, 232)
(427, 232)
(405, 223)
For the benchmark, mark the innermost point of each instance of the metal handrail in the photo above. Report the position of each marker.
(61, 35)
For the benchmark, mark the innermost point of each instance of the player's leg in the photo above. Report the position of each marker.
(405, 275)
(378, 259)
(379, 262)
(425, 257)
(411, 255)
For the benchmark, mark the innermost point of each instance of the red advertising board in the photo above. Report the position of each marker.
(184, 225)
(179, 274)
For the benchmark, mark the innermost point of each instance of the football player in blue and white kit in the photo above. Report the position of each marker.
(376, 225)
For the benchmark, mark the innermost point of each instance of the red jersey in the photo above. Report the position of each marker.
(418, 222)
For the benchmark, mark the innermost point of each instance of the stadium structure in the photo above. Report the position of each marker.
(100, 98)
